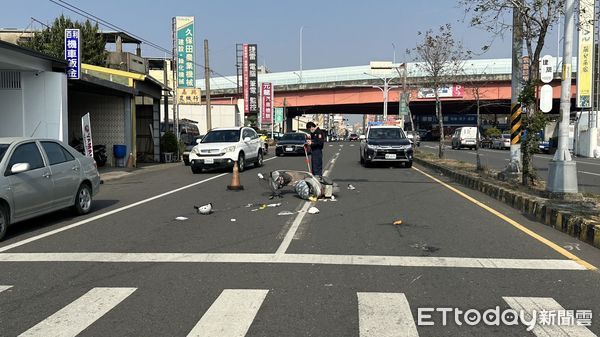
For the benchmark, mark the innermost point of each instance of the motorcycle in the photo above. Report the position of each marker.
(99, 151)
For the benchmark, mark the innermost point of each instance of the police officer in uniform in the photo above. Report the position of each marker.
(316, 146)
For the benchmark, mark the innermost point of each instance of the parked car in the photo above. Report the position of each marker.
(486, 143)
(386, 144)
(353, 137)
(188, 148)
(221, 147)
(502, 142)
(464, 137)
(40, 176)
(291, 143)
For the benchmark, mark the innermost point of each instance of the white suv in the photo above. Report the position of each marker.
(222, 146)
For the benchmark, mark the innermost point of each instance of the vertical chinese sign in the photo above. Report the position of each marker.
(266, 93)
(250, 79)
(585, 56)
(185, 52)
(73, 53)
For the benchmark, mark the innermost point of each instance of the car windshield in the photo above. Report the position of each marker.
(3, 148)
(386, 133)
(506, 136)
(222, 136)
(294, 136)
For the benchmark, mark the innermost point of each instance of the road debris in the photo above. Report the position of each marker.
(205, 209)
(181, 218)
(285, 213)
(398, 222)
(274, 205)
(351, 187)
(233, 220)
(313, 210)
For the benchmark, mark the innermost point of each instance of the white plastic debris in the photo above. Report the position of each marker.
(351, 187)
(181, 218)
(313, 210)
(274, 205)
(233, 220)
(285, 213)
(333, 198)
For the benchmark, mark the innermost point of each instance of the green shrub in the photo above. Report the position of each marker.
(493, 132)
(168, 142)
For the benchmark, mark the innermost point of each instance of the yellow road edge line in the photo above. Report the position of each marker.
(517, 225)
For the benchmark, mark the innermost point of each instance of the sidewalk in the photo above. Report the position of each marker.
(108, 173)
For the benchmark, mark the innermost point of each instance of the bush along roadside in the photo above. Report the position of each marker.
(580, 219)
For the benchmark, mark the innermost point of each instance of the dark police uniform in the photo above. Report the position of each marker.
(316, 148)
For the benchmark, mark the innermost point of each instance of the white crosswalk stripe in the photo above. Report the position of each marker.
(385, 315)
(3, 288)
(539, 304)
(77, 316)
(231, 314)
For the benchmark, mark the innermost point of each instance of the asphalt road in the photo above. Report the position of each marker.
(588, 169)
(131, 269)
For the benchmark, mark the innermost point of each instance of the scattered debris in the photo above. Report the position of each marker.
(233, 220)
(285, 213)
(351, 187)
(274, 205)
(415, 279)
(181, 218)
(398, 222)
(261, 176)
(328, 284)
(249, 205)
(333, 198)
(313, 210)
(312, 198)
(204, 210)
(263, 206)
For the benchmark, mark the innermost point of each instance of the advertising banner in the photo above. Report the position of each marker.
(185, 56)
(250, 78)
(454, 90)
(73, 53)
(585, 56)
(266, 93)
(86, 131)
(188, 96)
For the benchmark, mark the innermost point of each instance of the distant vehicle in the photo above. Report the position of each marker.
(486, 143)
(411, 136)
(221, 147)
(291, 143)
(502, 142)
(40, 176)
(353, 137)
(386, 144)
(464, 137)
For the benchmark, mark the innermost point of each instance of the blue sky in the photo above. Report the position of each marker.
(336, 33)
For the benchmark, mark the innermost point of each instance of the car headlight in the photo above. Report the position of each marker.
(406, 147)
(372, 147)
(196, 150)
(229, 149)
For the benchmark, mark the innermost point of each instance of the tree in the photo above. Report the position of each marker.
(51, 41)
(537, 16)
(441, 59)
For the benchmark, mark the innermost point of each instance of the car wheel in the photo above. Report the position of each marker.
(3, 221)
(186, 163)
(196, 169)
(241, 162)
(83, 200)
(362, 160)
(367, 163)
(259, 160)
(408, 164)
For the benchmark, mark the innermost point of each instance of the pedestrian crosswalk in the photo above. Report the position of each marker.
(380, 314)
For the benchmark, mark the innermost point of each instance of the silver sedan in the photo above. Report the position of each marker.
(39, 176)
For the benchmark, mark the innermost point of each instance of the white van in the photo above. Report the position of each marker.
(464, 137)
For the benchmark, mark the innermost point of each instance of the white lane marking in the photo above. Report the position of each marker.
(289, 236)
(385, 315)
(231, 314)
(529, 304)
(77, 316)
(594, 174)
(114, 211)
(3, 288)
(287, 240)
(357, 260)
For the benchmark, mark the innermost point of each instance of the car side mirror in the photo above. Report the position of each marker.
(20, 167)
(247, 139)
(362, 137)
(198, 141)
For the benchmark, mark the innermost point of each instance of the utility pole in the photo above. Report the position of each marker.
(562, 170)
(166, 94)
(207, 84)
(516, 110)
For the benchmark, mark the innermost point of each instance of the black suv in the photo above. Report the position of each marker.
(386, 144)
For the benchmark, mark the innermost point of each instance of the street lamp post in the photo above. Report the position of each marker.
(385, 89)
(301, 30)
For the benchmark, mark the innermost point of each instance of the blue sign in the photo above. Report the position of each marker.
(73, 53)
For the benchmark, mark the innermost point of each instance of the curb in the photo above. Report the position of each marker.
(540, 209)
(118, 174)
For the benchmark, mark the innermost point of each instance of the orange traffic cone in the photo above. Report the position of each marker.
(130, 161)
(235, 179)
